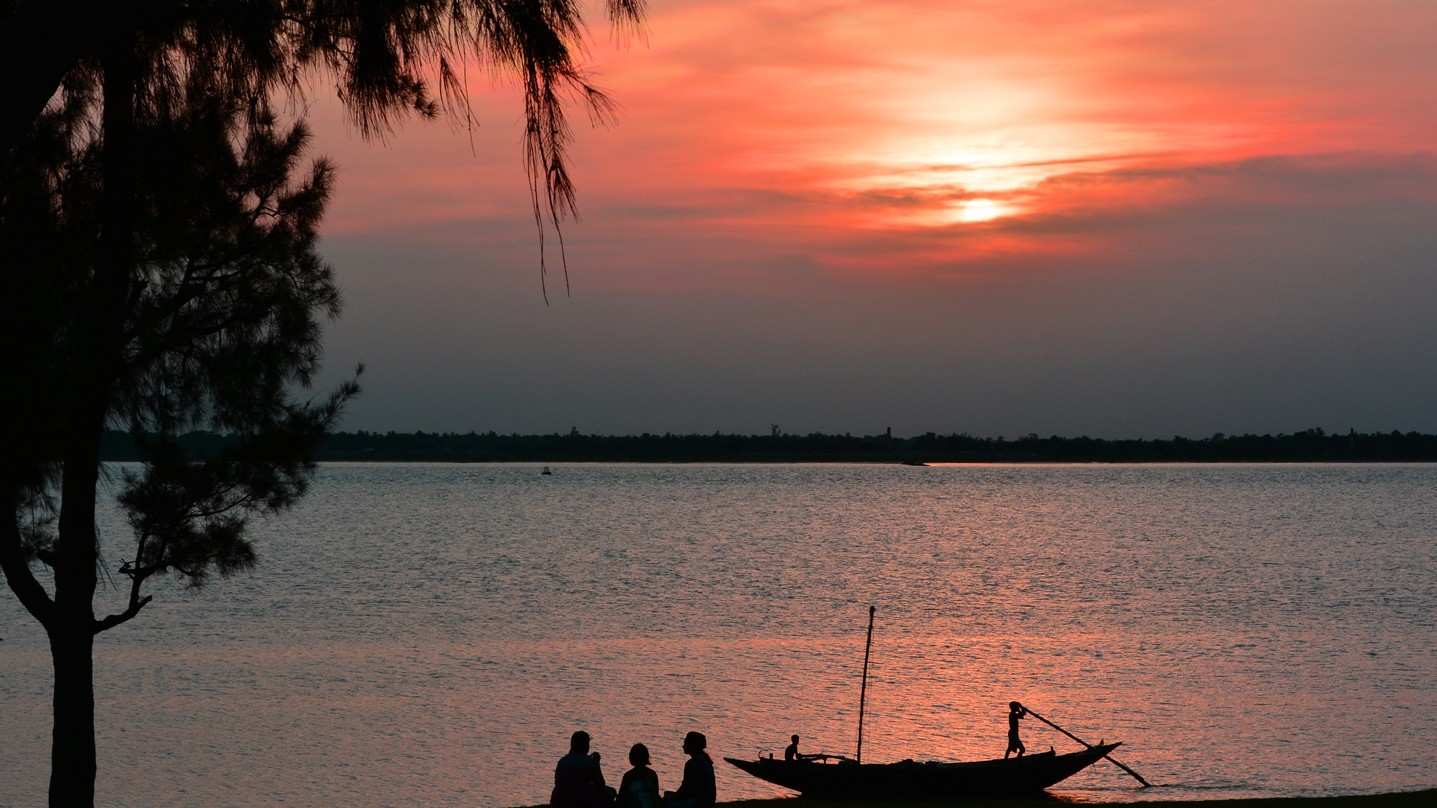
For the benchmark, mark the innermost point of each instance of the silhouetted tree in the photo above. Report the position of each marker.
(159, 268)
(215, 323)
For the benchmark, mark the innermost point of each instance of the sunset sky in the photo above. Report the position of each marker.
(1106, 217)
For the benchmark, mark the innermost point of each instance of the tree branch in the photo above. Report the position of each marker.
(17, 569)
(137, 575)
(136, 604)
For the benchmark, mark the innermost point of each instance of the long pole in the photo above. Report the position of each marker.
(1139, 777)
(863, 689)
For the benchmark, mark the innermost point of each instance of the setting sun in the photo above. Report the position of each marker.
(980, 210)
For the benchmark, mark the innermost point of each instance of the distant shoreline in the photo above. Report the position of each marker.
(840, 462)
(1308, 446)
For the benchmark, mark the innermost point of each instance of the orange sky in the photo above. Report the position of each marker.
(814, 117)
(882, 143)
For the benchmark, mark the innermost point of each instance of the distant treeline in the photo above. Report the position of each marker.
(777, 447)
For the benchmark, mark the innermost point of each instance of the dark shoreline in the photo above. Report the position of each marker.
(1398, 799)
(1309, 446)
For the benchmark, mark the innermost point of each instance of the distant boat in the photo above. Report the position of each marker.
(846, 779)
(546, 471)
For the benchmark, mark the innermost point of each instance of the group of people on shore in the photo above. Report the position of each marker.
(579, 781)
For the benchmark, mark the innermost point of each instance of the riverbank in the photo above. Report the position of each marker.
(1406, 799)
(1402, 799)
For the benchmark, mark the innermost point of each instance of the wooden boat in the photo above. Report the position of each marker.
(840, 778)
(927, 780)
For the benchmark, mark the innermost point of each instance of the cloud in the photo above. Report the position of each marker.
(1115, 217)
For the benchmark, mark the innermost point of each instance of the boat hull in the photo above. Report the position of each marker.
(913, 780)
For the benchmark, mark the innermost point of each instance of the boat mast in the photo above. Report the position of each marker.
(863, 688)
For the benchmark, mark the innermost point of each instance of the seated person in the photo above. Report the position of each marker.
(640, 786)
(578, 781)
(697, 790)
(790, 753)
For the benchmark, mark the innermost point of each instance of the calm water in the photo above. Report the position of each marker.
(431, 634)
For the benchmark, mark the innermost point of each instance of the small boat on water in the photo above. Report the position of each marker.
(925, 780)
(836, 777)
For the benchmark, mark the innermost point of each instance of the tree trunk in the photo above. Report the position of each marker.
(72, 634)
(72, 751)
(72, 631)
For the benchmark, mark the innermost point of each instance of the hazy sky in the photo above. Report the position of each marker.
(1125, 217)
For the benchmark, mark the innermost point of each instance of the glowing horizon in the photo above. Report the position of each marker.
(767, 149)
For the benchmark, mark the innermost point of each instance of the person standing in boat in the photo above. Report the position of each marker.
(697, 790)
(1015, 744)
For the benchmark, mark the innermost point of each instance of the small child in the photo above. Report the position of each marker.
(1015, 744)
